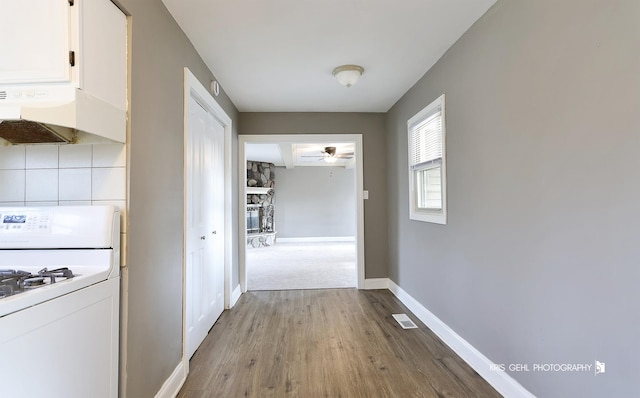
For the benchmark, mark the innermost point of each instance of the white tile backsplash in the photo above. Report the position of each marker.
(108, 183)
(74, 203)
(12, 157)
(109, 155)
(41, 204)
(13, 185)
(42, 156)
(75, 156)
(63, 174)
(75, 184)
(11, 204)
(41, 185)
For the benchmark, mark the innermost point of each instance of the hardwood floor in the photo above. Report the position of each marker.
(325, 343)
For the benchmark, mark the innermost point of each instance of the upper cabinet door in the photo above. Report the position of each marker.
(35, 41)
(103, 51)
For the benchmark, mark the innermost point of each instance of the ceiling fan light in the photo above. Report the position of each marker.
(348, 75)
(330, 150)
(330, 159)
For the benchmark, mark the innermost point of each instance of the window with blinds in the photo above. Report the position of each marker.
(427, 164)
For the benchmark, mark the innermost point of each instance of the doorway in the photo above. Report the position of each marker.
(356, 241)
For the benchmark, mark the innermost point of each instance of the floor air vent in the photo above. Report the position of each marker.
(404, 321)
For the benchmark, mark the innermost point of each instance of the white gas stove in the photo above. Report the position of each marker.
(59, 299)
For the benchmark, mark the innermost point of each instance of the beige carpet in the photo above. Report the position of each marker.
(286, 266)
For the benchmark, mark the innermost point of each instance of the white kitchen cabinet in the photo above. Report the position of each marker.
(77, 43)
(35, 41)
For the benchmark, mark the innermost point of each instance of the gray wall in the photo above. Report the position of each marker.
(539, 260)
(315, 202)
(372, 128)
(159, 52)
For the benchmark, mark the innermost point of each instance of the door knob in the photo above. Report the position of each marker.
(214, 232)
(203, 237)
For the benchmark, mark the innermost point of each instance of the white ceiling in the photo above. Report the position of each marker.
(278, 55)
(302, 154)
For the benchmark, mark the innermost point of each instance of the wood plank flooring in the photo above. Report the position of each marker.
(325, 343)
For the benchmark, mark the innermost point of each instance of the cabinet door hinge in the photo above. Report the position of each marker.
(72, 58)
(71, 3)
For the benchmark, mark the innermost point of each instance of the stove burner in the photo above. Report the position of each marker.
(6, 290)
(7, 273)
(33, 282)
(17, 281)
(56, 273)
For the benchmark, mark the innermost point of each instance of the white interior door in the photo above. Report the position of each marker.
(204, 159)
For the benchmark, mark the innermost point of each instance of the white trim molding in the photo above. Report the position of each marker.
(376, 283)
(420, 161)
(235, 296)
(501, 381)
(171, 387)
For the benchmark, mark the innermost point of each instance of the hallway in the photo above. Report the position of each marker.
(325, 343)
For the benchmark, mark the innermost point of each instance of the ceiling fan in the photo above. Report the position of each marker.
(330, 155)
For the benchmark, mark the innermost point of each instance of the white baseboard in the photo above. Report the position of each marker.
(172, 385)
(235, 296)
(376, 283)
(501, 381)
(317, 239)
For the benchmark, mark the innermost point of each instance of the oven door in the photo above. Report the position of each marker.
(66, 347)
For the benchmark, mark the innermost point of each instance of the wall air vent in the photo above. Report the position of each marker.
(404, 321)
(3, 95)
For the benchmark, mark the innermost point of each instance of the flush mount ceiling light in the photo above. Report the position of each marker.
(348, 75)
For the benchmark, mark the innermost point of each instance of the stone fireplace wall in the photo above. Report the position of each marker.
(261, 205)
(260, 174)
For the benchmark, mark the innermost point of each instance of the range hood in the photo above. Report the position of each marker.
(58, 115)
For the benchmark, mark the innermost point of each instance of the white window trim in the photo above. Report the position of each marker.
(432, 216)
